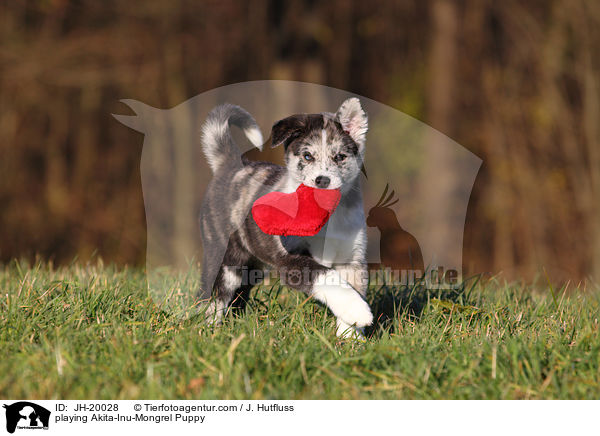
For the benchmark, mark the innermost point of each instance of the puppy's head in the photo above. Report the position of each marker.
(324, 150)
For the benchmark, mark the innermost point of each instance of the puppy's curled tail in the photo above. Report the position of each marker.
(217, 143)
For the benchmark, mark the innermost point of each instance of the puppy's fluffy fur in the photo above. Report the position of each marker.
(323, 150)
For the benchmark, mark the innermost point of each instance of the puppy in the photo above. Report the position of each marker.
(323, 150)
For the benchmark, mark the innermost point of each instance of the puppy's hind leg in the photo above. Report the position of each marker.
(227, 282)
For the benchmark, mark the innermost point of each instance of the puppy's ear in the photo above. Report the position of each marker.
(286, 130)
(354, 120)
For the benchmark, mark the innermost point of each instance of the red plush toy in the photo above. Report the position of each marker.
(301, 213)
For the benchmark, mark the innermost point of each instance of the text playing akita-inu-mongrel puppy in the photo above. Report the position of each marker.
(324, 151)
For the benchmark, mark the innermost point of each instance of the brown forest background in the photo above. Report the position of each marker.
(517, 83)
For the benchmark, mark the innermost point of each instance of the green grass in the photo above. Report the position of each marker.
(93, 332)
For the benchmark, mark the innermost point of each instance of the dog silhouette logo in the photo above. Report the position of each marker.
(26, 415)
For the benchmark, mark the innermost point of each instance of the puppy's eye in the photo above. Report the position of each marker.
(339, 157)
(308, 157)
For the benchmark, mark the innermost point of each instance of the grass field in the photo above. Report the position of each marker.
(93, 332)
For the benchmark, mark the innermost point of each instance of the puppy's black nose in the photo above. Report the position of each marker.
(322, 181)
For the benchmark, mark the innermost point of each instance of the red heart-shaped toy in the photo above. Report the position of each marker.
(301, 213)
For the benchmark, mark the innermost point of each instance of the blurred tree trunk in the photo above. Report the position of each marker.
(590, 13)
(440, 100)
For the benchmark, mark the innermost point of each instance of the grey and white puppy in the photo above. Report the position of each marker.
(323, 150)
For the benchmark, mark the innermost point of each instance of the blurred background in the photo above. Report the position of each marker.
(517, 83)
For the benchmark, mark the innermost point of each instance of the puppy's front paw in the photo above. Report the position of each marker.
(343, 300)
(345, 331)
(356, 312)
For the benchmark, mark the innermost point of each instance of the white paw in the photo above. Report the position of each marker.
(342, 299)
(355, 312)
(345, 331)
(213, 312)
